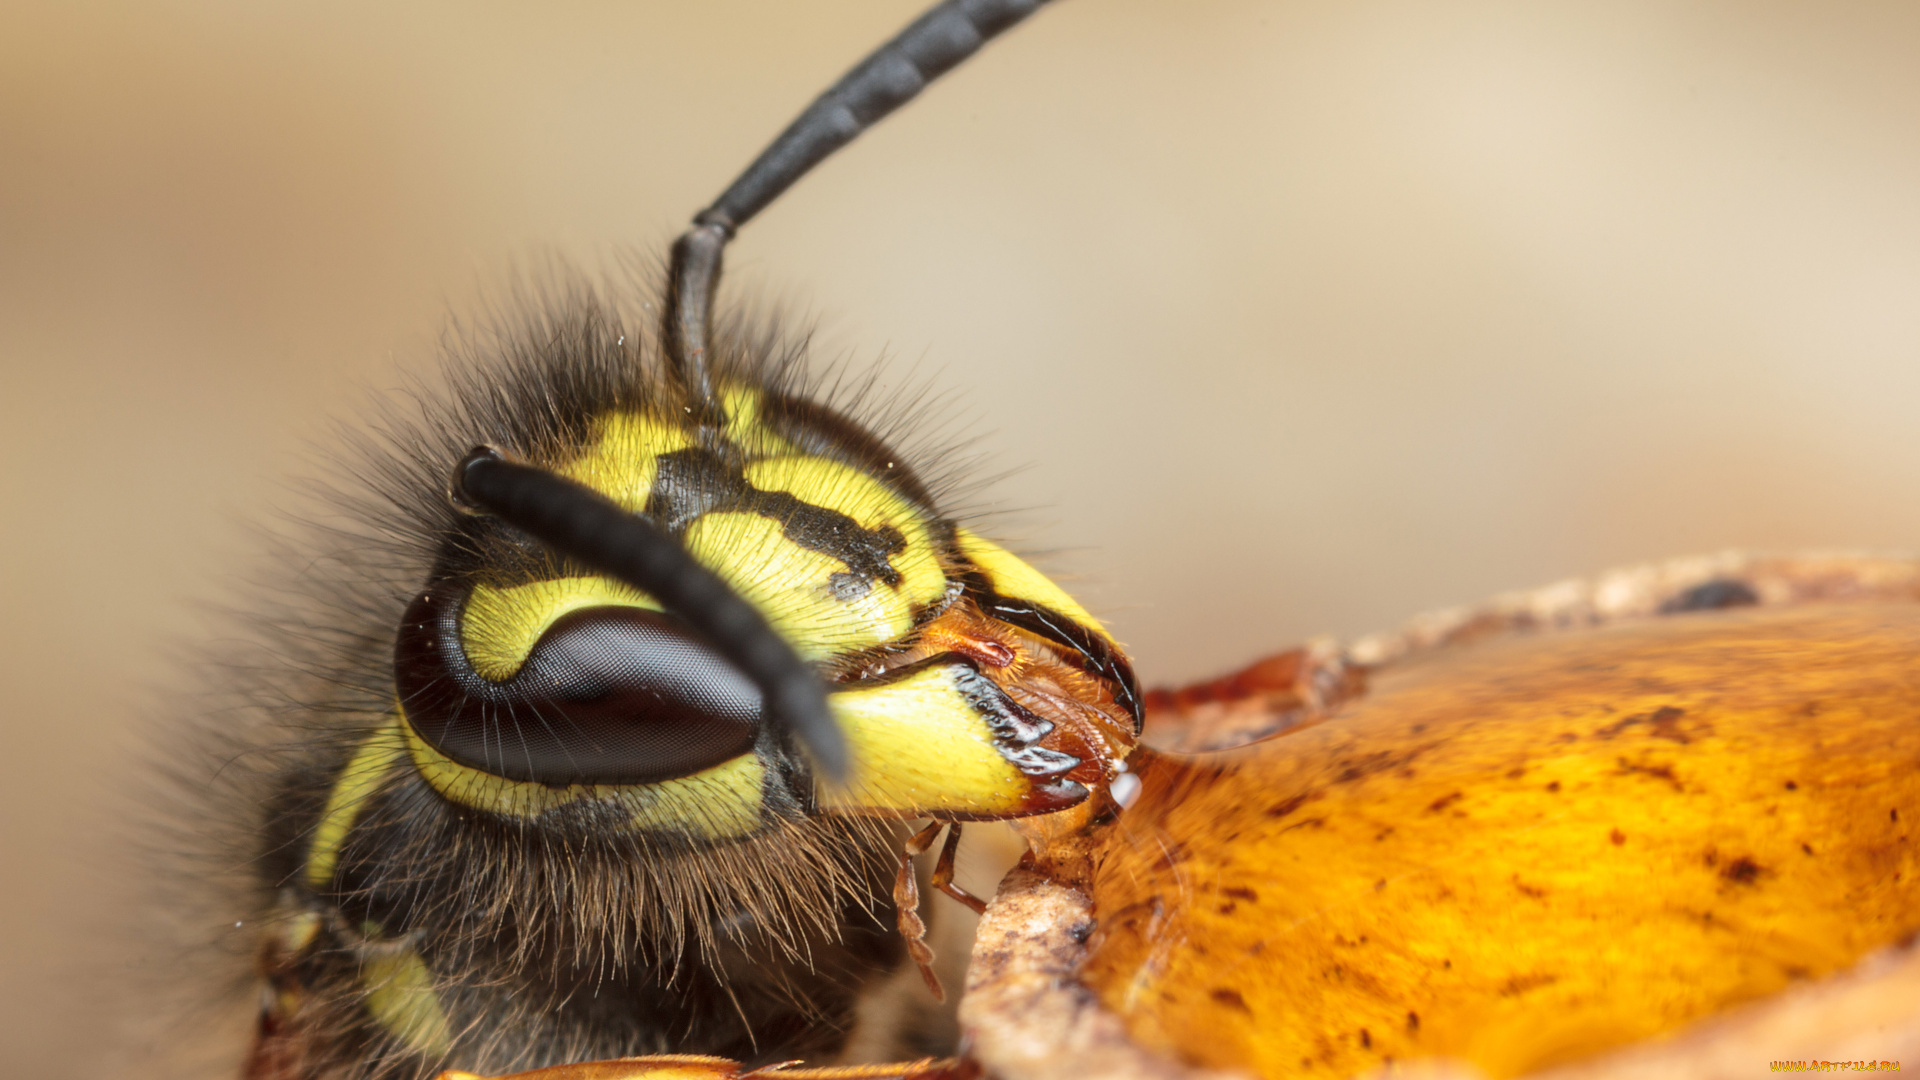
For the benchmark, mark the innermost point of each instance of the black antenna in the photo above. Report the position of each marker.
(583, 524)
(884, 81)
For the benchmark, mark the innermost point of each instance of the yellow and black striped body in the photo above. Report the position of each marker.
(480, 853)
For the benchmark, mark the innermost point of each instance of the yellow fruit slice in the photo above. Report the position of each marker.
(1528, 851)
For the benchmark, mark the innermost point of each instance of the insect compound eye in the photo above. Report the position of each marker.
(607, 695)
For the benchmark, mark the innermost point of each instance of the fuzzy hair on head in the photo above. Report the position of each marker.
(524, 920)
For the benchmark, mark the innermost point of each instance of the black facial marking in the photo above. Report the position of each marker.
(696, 481)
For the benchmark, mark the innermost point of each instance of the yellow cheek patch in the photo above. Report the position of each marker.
(400, 995)
(500, 626)
(619, 462)
(370, 765)
(868, 502)
(721, 803)
(920, 748)
(1012, 578)
(794, 587)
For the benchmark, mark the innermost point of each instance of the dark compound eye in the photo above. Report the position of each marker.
(608, 695)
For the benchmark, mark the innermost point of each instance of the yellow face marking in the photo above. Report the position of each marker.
(1011, 577)
(369, 766)
(920, 748)
(619, 461)
(744, 427)
(793, 587)
(720, 803)
(867, 501)
(500, 626)
(400, 996)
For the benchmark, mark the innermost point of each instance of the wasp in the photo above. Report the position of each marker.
(590, 724)
(390, 1013)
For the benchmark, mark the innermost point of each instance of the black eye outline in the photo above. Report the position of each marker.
(607, 695)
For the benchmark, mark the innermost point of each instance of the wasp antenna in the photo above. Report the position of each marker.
(888, 78)
(584, 525)
(692, 274)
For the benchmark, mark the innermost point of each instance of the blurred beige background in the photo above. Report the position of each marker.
(1300, 317)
